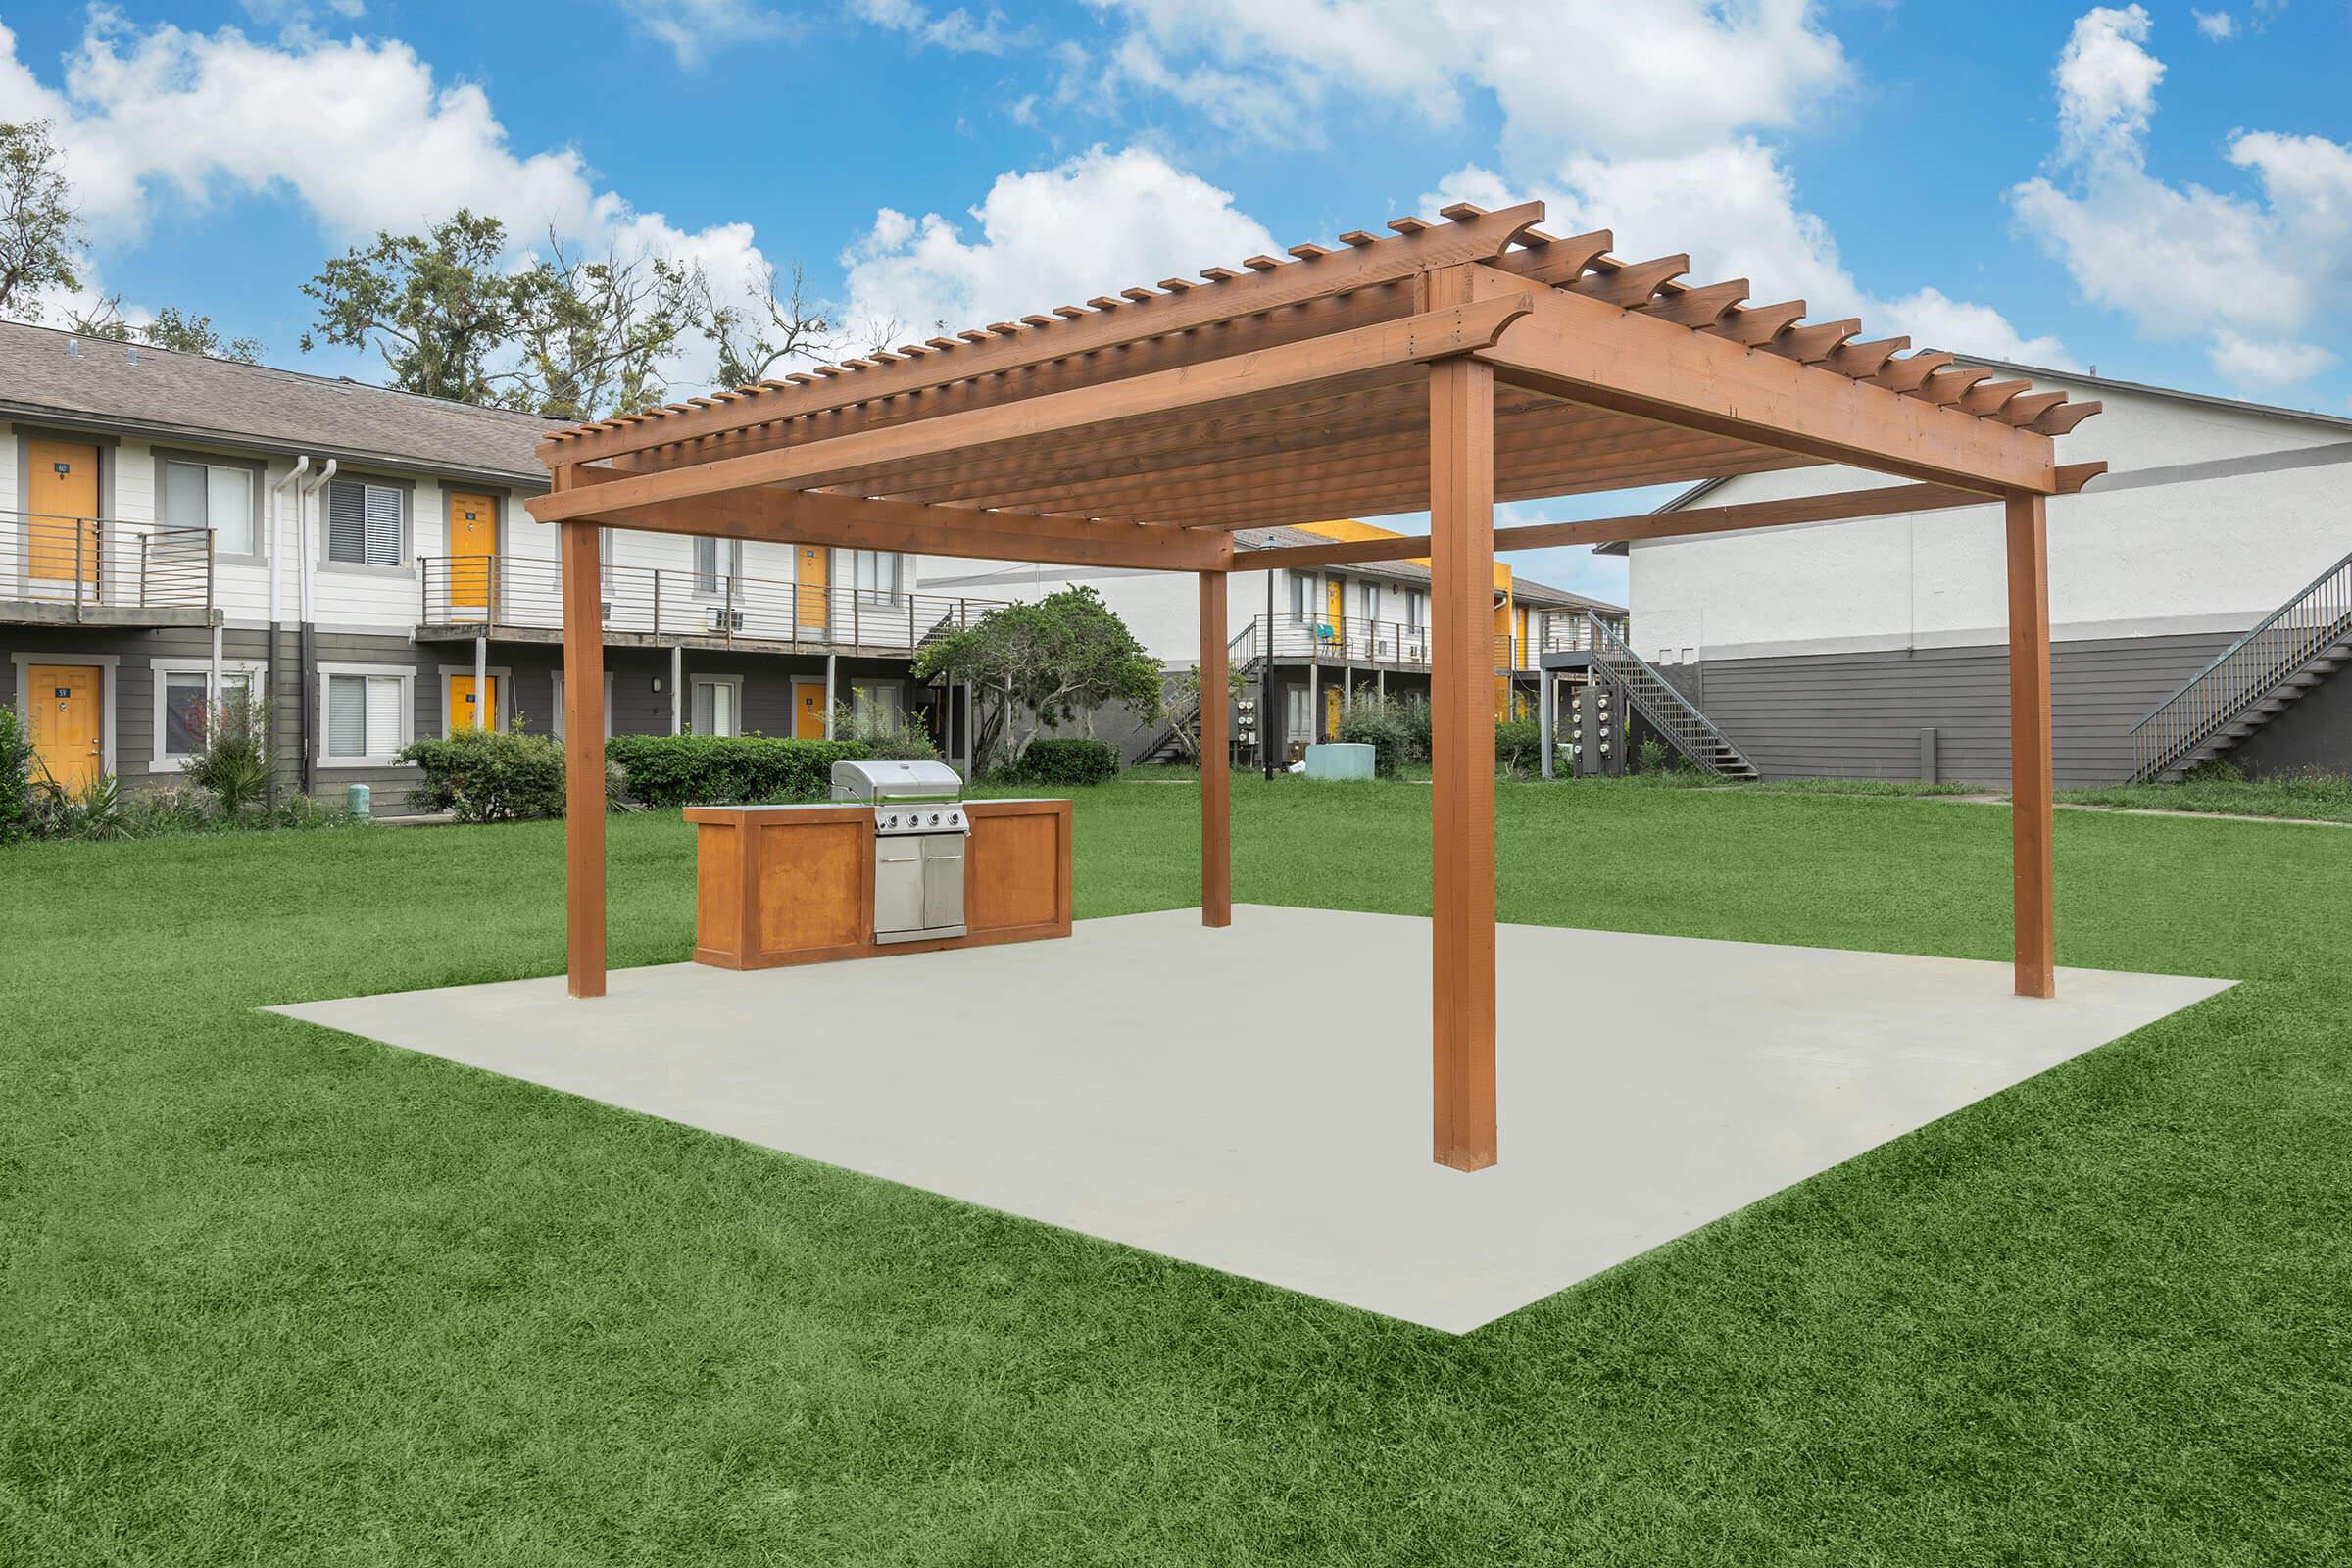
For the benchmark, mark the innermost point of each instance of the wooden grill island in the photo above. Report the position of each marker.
(1446, 366)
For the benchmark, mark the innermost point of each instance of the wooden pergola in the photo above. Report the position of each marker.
(1445, 366)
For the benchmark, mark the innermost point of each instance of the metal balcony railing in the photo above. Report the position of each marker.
(2293, 637)
(508, 592)
(81, 564)
(1350, 640)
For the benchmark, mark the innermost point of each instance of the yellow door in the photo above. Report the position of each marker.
(67, 703)
(1334, 604)
(464, 711)
(812, 576)
(808, 709)
(472, 548)
(1333, 702)
(61, 492)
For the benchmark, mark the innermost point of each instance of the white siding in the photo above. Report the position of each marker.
(2197, 555)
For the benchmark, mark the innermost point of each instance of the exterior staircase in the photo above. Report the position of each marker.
(2261, 675)
(1243, 655)
(1662, 703)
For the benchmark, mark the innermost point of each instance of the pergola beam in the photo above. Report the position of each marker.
(1598, 355)
(1114, 323)
(1842, 507)
(797, 517)
(1389, 345)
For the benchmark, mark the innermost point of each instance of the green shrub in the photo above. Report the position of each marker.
(230, 760)
(1518, 747)
(1383, 724)
(725, 769)
(1416, 727)
(93, 811)
(1651, 756)
(16, 777)
(490, 776)
(1066, 763)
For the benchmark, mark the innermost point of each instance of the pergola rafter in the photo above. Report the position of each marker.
(1445, 366)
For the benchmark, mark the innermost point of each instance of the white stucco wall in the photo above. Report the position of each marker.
(2198, 551)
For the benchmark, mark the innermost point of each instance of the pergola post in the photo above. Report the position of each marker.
(2029, 761)
(583, 760)
(1216, 759)
(1461, 531)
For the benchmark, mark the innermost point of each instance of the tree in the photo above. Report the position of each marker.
(40, 234)
(1049, 661)
(436, 305)
(171, 329)
(1179, 705)
(781, 326)
(593, 333)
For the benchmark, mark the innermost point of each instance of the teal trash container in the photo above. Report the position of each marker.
(354, 799)
(1339, 759)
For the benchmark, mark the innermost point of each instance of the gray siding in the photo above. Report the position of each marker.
(1859, 715)
(2316, 732)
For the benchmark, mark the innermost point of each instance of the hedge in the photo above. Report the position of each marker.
(723, 769)
(1067, 762)
(490, 776)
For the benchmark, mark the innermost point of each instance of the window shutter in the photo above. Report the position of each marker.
(346, 522)
(346, 715)
(185, 493)
(383, 525)
(384, 727)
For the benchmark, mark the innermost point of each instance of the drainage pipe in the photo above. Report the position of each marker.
(306, 630)
(277, 552)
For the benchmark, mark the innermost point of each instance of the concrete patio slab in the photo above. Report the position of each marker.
(1256, 1099)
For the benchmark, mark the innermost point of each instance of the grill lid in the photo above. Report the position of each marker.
(896, 782)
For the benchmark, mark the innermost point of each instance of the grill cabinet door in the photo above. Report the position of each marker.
(942, 879)
(897, 886)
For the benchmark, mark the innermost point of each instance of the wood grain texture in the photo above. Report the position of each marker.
(797, 887)
(583, 756)
(2034, 859)
(1461, 503)
(1216, 759)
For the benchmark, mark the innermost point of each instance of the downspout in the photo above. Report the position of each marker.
(306, 630)
(277, 552)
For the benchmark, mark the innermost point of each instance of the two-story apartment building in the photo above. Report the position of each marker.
(179, 527)
(2200, 607)
(1303, 638)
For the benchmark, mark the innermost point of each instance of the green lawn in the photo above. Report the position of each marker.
(274, 1296)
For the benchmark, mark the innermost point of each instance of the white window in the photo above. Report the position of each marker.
(366, 524)
(716, 559)
(368, 716)
(1370, 595)
(1301, 595)
(1299, 714)
(717, 704)
(554, 719)
(877, 573)
(218, 495)
(1416, 608)
(184, 702)
(881, 701)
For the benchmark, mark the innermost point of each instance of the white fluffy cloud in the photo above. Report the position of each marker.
(359, 132)
(1664, 77)
(2248, 274)
(956, 30)
(692, 29)
(1101, 220)
(2219, 26)
(1734, 207)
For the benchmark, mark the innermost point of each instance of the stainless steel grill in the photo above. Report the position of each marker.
(919, 832)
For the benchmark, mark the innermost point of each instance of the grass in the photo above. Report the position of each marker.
(274, 1295)
(2311, 794)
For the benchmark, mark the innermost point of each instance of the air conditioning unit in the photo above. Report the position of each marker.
(723, 618)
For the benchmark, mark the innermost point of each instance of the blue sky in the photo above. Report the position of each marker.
(2161, 191)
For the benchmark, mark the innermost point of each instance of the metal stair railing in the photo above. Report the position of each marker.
(2286, 643)
(1660, 702)
(1241, 659)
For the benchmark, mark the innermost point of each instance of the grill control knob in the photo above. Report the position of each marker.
(935, 819)
(954, 818)
(892, 823)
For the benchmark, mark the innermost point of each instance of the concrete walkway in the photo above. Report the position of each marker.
(1256, 1099)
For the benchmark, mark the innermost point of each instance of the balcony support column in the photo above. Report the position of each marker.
(485, 714)
(677, 687)
(583, 756)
